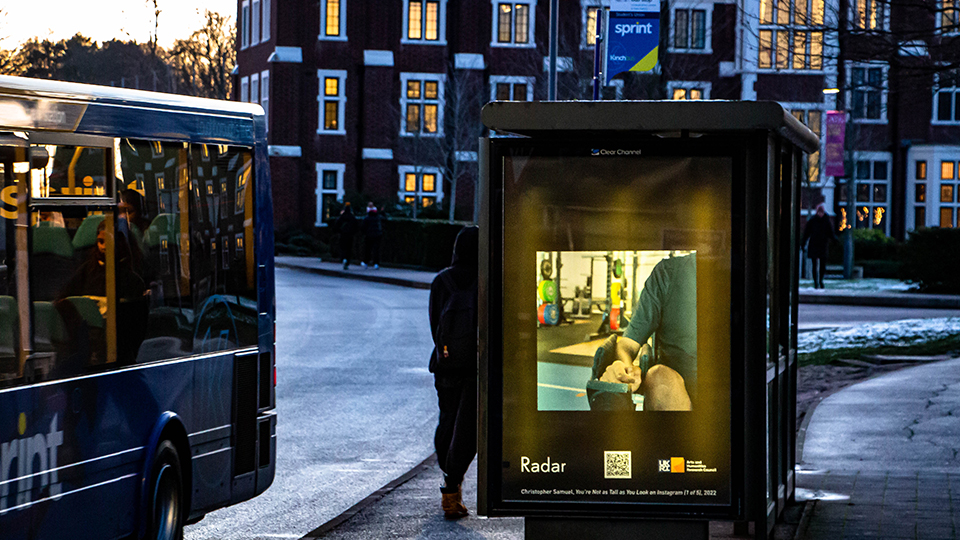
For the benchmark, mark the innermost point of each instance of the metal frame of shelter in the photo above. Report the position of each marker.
(767, 147)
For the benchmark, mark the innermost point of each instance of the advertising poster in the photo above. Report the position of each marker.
(616, 377)
(633, 37)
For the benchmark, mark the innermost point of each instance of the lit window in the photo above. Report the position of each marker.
(813, 120)
(333, 19)
(791, 35)
(868, 14)
(590, 26)
(423, 21)
(921, 170)
(872, 175)
(946, 170)
(420, 186)
(421, 103)
(949, 16)
(513, 23)
(690, 90)
(332, 100)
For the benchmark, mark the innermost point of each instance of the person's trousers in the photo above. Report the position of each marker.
(371, 249)
(456, 436)
(819, 270)
(346, 246)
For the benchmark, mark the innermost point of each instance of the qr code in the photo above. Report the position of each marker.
(617, 464)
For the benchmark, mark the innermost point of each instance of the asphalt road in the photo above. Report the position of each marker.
(355, 402)
(815, 316)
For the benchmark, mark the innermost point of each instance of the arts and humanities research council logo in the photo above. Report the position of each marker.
(672, 465)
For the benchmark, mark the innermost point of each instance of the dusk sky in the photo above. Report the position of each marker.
(105, 19)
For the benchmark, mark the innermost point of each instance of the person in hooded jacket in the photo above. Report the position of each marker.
(456, 436)
(819, 231)
(346, 225)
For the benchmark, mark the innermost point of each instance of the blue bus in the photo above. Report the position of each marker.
(137, 310)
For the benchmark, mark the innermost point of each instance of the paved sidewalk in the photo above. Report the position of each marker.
(880, 458)
(417, 279)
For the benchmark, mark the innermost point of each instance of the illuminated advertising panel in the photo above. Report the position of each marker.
(615, 362)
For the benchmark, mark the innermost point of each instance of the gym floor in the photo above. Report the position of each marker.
(564, 362)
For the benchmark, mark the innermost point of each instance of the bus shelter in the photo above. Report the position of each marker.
(638, 315)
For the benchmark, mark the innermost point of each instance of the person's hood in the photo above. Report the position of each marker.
(466, 246)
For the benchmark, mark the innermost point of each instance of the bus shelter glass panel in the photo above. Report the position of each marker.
(603, 249)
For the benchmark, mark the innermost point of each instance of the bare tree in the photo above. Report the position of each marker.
(202, 62)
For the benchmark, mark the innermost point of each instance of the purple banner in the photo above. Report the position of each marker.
(833, 149)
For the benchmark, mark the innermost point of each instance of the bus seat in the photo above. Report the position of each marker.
(48, 327)
(87, 308)
(52, 240)
(163, 225)
(8, 326)
(87, 232)
(46, 224)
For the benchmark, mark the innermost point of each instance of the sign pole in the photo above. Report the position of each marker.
(552, 77)
(597, 59)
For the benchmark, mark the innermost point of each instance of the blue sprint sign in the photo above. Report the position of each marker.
(632, 42)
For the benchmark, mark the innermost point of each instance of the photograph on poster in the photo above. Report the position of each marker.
(617, 330)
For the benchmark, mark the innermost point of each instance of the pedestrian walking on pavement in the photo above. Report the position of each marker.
(819, 231)
(372, 229)
(453, 322)
(346, 225)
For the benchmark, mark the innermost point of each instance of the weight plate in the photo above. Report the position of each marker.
(618, 268)
(546, 268)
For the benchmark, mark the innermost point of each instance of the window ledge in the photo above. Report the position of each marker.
(945, 122)
(408, 41)
(331, 132)
(412, 135)
(322, 37)
(707, 50)
(877, 121)
(513, 45)
(791, 71)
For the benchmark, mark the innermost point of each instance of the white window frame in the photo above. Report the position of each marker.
(884, 91)
(435, 77)
(265, 96)
(955, 90)
(703, 86)
(340, 168)
(341, 99)
(884, 23)
(707, 31)
(255, 88)
(244, 24)
(254, 22)
(494, 22)
(244, 89)
(888, 204)
(441, 25)
(265, 23)
(402, 192)
(342, 33)
(511, 80)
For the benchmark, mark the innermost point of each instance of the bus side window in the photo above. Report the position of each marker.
(221, 236)
(10, 370)
(153, 204)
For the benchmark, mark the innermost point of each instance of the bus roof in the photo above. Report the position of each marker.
(44, 105)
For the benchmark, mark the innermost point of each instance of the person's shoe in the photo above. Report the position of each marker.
(452, 504)
(346, 263)
(376, 267)
(363, 264)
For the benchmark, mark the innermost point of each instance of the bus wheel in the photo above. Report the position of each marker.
(166, 495)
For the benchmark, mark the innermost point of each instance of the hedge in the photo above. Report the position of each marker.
(423, 244)
(931, 257)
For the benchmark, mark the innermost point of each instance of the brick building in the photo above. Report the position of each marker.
(380, 100)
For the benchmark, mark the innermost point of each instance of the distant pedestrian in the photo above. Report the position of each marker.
(453, 322)
(347, 226)
(372, 229)
(819, 231)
